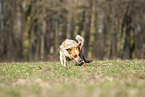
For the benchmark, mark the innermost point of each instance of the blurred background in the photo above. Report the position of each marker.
(32, 30)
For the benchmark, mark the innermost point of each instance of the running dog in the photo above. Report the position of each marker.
(70, 49)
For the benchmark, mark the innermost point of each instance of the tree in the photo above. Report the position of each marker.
(92, 28)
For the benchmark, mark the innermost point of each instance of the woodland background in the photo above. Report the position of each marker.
(32, 30)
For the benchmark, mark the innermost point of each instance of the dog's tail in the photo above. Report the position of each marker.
(80, 40)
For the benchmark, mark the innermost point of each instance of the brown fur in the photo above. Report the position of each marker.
(70, 49)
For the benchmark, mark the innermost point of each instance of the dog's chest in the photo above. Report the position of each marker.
(68, 59)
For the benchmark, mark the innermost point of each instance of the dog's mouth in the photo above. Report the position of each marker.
(78, 60)
(80, 63)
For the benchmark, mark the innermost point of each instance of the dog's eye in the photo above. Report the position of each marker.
(75, 56)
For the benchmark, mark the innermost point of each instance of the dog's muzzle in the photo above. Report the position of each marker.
(78, 60)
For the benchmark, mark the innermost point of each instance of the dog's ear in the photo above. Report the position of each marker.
(79, 45)
(69, 49)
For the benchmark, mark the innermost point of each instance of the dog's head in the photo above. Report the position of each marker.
(74, 53)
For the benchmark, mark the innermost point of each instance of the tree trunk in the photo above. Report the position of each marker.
(26, 42)
(68, 25)
(42, 41)
(92, 29)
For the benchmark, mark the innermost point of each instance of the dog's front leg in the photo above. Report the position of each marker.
(62, 59)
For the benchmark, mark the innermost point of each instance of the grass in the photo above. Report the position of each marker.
(117, 78)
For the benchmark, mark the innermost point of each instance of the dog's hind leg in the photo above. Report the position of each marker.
(82, 56)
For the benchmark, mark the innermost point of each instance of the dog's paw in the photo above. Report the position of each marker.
(91, 60)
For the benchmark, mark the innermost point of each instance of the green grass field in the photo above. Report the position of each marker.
(120, 78)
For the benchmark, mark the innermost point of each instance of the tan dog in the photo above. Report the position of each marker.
(70, 49)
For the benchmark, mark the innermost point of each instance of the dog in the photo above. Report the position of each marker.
(70, 49)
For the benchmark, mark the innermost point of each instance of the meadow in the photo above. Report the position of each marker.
(113, 78)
